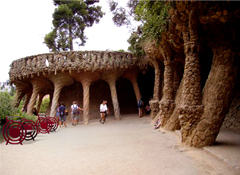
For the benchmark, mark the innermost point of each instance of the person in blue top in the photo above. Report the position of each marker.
(140, 107)
(57, 113)
(62, 115)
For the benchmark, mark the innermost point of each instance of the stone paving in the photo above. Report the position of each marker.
(128, 146)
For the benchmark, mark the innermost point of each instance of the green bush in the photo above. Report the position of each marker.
(24, 115)
(44, 105)
(6, 106)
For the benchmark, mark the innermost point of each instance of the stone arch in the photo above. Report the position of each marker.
(126, 96)
(99, 91)
(146, 80)
(72, 93)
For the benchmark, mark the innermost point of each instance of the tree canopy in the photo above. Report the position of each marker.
(70, 19)
(152, 16)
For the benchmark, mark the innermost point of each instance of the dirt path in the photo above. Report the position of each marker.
(130, 146)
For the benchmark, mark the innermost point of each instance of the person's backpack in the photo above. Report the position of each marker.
(139, 103)
(61, 111)
(75, 109)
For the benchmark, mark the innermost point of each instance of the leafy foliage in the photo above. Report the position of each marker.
(70, 19)
(152, 15)
(136, 44)
(7, 87)
(122, 16)
(24, 115)
(44, 105)
(6, 106)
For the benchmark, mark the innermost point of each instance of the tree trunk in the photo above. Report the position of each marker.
(70, 38)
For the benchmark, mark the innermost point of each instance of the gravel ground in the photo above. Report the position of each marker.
(127, 147)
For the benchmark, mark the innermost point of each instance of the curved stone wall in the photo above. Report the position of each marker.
(37, 75)
(51, 63)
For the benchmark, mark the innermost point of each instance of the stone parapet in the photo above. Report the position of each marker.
(51, 63)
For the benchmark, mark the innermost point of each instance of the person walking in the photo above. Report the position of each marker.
(57, 113)
(140, 107)
(106, 112)
(62, 116)
(75, 110)
(103, 111)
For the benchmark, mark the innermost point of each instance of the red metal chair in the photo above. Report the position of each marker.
(13, 131)
(53, 123)
(31, 129)
(43, 125)
(46, 124)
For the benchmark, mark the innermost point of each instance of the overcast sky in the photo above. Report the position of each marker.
(24, 24)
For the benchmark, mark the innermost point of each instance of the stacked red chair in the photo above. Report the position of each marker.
(18, 130)
(46, 124)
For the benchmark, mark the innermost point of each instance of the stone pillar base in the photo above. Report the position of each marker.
(154, 105)
(189, 117)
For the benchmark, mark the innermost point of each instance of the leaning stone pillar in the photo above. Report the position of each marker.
(166, 105)
(22, 88)
(40, 97)
(86, 79)
(132, 76)
(27, 99)
(111, 78)
(59, 80)
(190, 109)
(217, 96)
(39, 85)
(18, 98)
(36, 90)
(156, 92)
(154, 103)
(116, 108)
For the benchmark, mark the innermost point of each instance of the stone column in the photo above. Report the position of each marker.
(166, 105)
(217, 96)
(111, 77)
(154, 103)
(86, 79)
(190, 108)
(22, 88)
(116, 108)
(27, 99)
(156, 92)
(39, 85)
(132, 76)
(59, 80)
(40, 97)
(86, 101)
(36, 90)
(18, 98)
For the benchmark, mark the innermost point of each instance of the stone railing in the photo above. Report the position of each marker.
(50, 63)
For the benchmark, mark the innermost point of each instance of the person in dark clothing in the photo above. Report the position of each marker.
(35, 112)
(62, 115)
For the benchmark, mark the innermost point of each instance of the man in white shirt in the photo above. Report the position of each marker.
(74, 112)
(103, 111)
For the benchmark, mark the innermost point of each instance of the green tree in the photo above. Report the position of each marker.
(70, 19)
(6, 106)
(152, 16)
(44, 105)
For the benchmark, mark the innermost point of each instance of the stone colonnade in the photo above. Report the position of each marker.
(191, 102)
(39, 75)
